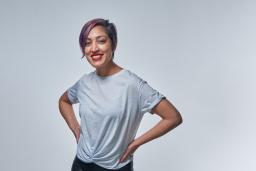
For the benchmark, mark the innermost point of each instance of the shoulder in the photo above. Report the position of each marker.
(87, 76)
(135, 79)
(83, 78)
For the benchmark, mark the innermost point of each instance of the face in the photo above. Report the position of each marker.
(98, 49)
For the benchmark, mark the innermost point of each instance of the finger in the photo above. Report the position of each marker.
(122, 159)
(124, 156)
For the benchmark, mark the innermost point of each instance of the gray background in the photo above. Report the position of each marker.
(200, 54)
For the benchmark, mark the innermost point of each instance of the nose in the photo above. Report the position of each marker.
(95, 47)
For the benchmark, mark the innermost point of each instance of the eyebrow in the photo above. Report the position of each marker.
(97, 37)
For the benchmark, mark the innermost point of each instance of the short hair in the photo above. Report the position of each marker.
(110, 29)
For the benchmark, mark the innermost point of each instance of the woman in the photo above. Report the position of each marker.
(112, 103)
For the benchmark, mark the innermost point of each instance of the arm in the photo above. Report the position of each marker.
(67, 112)
(171, 118)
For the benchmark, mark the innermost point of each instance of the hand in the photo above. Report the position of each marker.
(76, 133)
(130, 150)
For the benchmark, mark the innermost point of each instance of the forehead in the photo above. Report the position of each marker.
(97, 31)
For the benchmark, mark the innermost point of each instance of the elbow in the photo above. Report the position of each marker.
(175, 120)
(64, 98)
(178, 119)
(60, 100)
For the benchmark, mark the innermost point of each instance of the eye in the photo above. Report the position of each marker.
(87, 43)
(102, 41)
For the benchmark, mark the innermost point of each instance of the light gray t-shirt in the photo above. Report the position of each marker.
(111, 109)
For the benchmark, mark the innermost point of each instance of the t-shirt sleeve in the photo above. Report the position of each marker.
(72, 93)
(148, 97)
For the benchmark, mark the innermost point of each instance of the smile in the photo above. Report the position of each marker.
(96, 57)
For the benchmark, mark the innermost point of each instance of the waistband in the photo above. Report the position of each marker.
(91, 165)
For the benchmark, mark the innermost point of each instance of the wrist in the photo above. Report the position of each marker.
(137, 143)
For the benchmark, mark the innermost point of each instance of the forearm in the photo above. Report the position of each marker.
(68, 114)
(161, 128)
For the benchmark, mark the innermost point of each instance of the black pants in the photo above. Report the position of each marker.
(79, 165)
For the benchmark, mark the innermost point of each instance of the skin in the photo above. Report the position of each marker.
(99, 43)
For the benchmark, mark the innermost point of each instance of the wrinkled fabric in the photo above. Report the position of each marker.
(111, 109)
(79, 165)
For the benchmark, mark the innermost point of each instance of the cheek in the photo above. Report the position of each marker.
(86, 51)
(107, 49)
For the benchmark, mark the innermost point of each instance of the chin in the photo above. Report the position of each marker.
(97, 65)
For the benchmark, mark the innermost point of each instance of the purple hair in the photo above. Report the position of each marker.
(110, 31)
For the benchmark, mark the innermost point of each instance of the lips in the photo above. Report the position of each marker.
(96, 57)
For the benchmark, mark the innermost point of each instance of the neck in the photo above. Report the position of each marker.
(110, 69)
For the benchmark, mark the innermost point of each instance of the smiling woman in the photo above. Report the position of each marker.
(98, 48)
(98, 41)
(109, 32)
(112, 103)
(102, 42)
